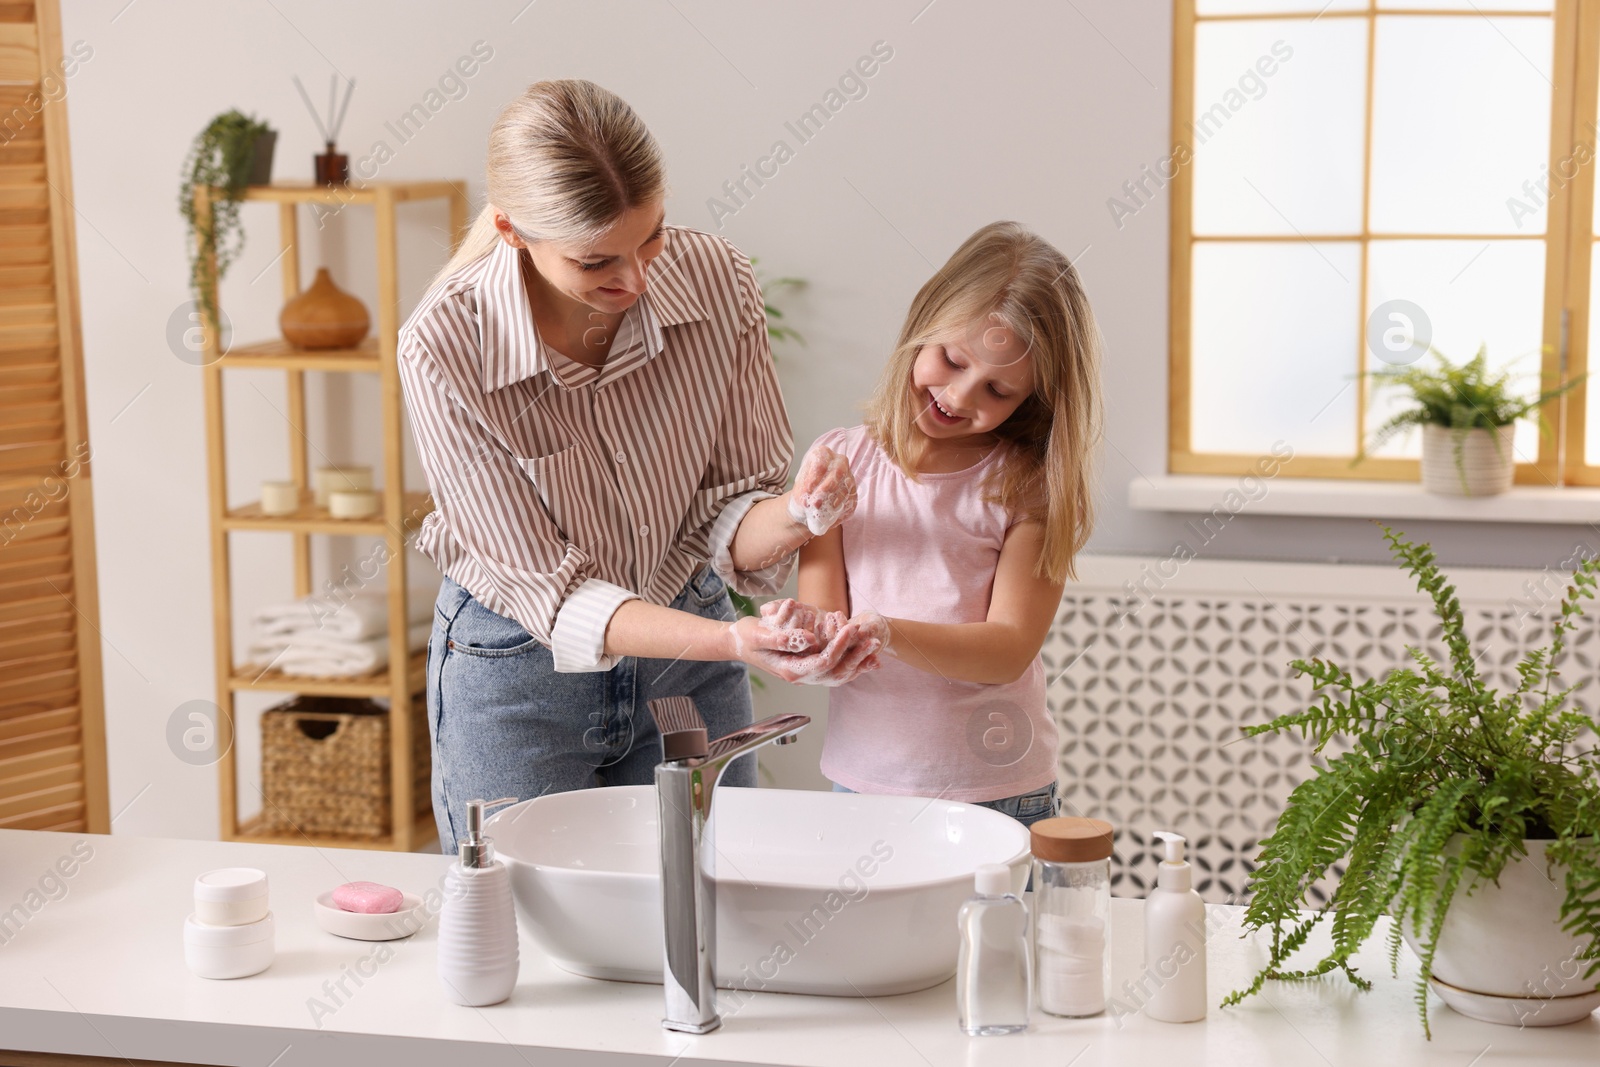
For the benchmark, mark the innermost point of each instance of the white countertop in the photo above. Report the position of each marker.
(98, 970)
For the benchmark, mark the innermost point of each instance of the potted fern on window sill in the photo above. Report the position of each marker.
(1468, 417)
(1468, 815)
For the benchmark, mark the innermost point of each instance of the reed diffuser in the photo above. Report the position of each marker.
(332, 166)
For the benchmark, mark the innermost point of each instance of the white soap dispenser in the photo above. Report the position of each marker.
(477, 925)
(1175, 940)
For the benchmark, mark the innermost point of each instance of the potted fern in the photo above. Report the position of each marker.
(233, 151)
(1468, 416)
(1468, 815)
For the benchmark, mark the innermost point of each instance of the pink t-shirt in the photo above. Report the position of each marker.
(927, 550)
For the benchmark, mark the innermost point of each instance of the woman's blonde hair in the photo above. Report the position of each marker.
(1005, 272)
(565, 160)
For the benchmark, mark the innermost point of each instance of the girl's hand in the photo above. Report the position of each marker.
(873, 626)
(792, 614)
(849, 653)
(824, 493)
(871, 638)
(793, 654)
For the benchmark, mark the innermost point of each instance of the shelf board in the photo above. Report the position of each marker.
(309, 518)
(424, 830)
(281, 355)
(308, 192)
(374, 684)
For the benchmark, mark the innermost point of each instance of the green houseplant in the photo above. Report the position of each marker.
(233, 151)
(1445, 782)
(777, 330)
(1467, 414)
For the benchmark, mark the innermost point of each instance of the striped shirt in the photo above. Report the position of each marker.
(563, 490)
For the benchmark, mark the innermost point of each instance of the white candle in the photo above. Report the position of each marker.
(279, 498)
(352, 503)
(330, 479)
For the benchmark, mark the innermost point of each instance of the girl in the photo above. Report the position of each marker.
(972, 500)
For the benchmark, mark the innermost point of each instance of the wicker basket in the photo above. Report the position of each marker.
(325, 766)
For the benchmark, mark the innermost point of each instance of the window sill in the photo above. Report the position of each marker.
(1578, 505)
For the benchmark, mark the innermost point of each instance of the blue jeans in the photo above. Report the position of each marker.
(503, 723)
(1026, 808)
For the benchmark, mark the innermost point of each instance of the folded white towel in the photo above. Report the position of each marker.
(314, 656)
(354, 618)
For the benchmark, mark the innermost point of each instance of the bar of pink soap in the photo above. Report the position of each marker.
(368, 898)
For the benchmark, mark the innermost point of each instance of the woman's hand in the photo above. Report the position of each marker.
(792, 614)
(824, 493)
(796, 655)
(838, 651)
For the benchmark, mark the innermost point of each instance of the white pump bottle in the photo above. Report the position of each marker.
(1175, 940)
(477, 925)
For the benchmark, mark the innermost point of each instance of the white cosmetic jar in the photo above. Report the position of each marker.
(353, 503)
(228, 951)
(230, 896)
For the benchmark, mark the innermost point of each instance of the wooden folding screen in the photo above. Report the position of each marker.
(52, 728)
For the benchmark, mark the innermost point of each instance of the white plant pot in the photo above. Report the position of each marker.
(1487, 461)
(1502, 955)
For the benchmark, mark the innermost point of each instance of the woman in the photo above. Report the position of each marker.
(595, 406)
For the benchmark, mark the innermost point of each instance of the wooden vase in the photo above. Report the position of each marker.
(324, 316)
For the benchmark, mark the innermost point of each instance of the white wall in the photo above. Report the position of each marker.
(1033, 111)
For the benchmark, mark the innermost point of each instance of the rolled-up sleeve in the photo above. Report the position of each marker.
(751, 455)
(509, 552)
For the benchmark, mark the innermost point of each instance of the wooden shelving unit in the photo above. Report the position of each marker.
(399, 515)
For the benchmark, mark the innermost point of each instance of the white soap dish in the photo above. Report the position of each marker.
(363, 926)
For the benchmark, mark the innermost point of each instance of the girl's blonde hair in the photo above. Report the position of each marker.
(565, 160)
(1006, 272)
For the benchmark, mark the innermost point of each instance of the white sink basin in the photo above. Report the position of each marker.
(842, 894)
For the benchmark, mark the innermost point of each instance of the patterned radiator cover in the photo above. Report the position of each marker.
(1154, 665)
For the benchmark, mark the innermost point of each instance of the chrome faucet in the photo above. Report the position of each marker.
(686, 782)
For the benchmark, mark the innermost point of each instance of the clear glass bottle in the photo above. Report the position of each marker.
(992, 994)
(1072, 915)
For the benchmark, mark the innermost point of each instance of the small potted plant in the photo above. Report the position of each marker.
(1467, 815)
(1468, 416)
(233, 151)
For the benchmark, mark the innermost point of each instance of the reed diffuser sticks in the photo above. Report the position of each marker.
(332, 167)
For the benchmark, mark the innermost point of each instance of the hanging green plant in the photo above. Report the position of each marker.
(227, 155)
